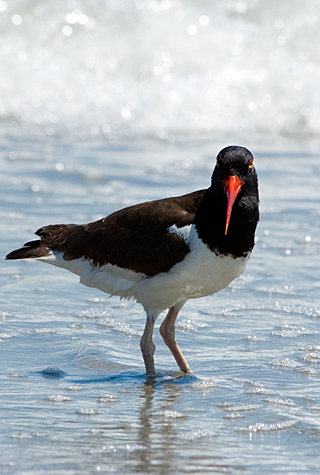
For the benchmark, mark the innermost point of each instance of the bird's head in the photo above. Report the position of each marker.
(234, 172)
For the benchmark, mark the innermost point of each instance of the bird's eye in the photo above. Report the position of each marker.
(250, 164)
(218, 164)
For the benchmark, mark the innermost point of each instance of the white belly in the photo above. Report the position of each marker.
(199, 274)
(108, 278)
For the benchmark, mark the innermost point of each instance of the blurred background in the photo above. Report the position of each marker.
(171, 69)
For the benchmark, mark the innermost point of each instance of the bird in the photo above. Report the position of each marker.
(162, 253)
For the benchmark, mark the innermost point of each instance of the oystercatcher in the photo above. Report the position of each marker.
(164, 252)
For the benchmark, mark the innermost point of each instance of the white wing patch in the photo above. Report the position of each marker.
(184, 231)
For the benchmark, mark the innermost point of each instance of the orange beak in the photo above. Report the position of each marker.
(232, 186)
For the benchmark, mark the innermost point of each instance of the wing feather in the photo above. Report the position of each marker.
(134, 238)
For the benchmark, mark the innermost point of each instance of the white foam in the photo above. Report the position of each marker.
(153, 70)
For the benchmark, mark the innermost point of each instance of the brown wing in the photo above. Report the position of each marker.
(135, 238)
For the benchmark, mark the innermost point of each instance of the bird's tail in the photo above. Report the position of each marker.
(52, 238)
(30, 250)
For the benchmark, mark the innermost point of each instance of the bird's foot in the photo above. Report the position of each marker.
(185, 372)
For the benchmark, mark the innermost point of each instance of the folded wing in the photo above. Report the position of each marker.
(135, 238)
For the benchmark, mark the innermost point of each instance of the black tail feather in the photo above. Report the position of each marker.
(30, 250)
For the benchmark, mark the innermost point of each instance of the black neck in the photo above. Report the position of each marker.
(210, 220)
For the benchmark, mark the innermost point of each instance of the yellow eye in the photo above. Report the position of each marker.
(218, 162)
(250, 164)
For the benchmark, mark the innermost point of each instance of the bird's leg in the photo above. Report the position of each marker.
(167, 332)
(147, 346)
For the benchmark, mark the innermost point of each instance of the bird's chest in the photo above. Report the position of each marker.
(200, 273)
(205, 272)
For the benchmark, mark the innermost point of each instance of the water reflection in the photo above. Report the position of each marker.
(158, 427)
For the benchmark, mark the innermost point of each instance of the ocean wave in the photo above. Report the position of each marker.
(161, 68)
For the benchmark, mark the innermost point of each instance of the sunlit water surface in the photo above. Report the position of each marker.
(74, 398)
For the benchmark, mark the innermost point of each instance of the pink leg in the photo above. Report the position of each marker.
(167, 332)
(147, 346)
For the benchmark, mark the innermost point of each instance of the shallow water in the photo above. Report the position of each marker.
(74, 398)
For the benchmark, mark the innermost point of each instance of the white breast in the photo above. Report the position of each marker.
(200, 273)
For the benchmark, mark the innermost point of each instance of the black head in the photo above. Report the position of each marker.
(229, 212)
(234, 161)
(234, 170)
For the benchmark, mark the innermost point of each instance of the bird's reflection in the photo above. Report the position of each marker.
(158, 425)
